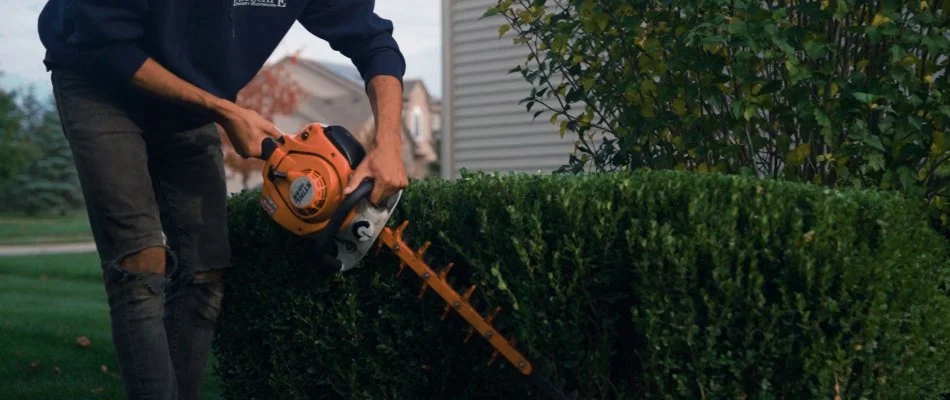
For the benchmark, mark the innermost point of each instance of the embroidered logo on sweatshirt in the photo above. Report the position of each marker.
(261, 3)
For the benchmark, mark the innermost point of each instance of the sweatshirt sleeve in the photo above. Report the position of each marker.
(108, 33)
(352, 28)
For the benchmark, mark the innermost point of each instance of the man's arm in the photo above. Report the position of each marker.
(384, 163)
(353, 28)
(245, 128)
(107, 32)
(155, 79)
(385, 97)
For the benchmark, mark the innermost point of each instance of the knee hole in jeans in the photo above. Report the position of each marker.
(208, 276)
(148, 261)
(145, 266)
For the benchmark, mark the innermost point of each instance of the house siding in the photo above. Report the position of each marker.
(484, 127)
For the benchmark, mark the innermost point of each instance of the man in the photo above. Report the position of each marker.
(139, 84)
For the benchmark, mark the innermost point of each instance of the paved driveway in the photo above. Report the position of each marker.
(24, 250)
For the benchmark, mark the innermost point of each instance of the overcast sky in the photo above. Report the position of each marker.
(417, 29)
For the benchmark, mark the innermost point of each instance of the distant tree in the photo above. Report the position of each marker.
(271, 93)
(14, 145)
(48, 183)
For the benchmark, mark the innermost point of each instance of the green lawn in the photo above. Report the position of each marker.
(18, 229)
(46, 302)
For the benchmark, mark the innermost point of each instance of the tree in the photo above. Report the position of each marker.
(838, 93)
(271, 93)
(14, 145)
(49, 182)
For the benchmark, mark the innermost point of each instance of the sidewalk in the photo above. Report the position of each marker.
(24, 250)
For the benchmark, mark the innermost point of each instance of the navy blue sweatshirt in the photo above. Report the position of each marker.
(217, 45)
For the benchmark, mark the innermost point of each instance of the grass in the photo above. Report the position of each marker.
(46, 303)
(24, 230)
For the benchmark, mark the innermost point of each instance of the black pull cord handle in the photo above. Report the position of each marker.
(268, 146)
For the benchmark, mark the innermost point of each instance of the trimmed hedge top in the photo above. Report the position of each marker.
(622, 285)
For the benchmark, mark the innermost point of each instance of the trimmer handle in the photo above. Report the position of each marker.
(268, 146)
(324, 242)
(339, 215)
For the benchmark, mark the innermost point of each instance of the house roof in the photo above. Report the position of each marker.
(353, 110)
(348, 77)
(350, 111)
(347, 71)
(410, 84)
(332, 74)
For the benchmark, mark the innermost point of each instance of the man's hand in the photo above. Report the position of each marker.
(245, 128)
(383, 163)
(384, 166)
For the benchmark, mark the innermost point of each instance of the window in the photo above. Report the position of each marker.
(416, 123)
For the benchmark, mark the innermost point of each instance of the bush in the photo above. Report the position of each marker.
(617, 285)
(840, 93)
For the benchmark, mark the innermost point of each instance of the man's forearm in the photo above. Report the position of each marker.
(155, 79)
(385, 96)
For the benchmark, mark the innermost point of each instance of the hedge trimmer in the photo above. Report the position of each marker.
(304, 177)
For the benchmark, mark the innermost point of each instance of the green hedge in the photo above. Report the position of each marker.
(623, 285)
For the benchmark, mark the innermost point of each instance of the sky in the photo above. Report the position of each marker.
(418, 30)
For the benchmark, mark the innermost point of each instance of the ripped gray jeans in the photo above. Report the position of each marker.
(151, 181)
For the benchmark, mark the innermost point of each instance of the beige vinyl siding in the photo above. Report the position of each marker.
(484, 127)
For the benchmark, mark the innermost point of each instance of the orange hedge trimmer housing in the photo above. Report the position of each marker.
(304, 177)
